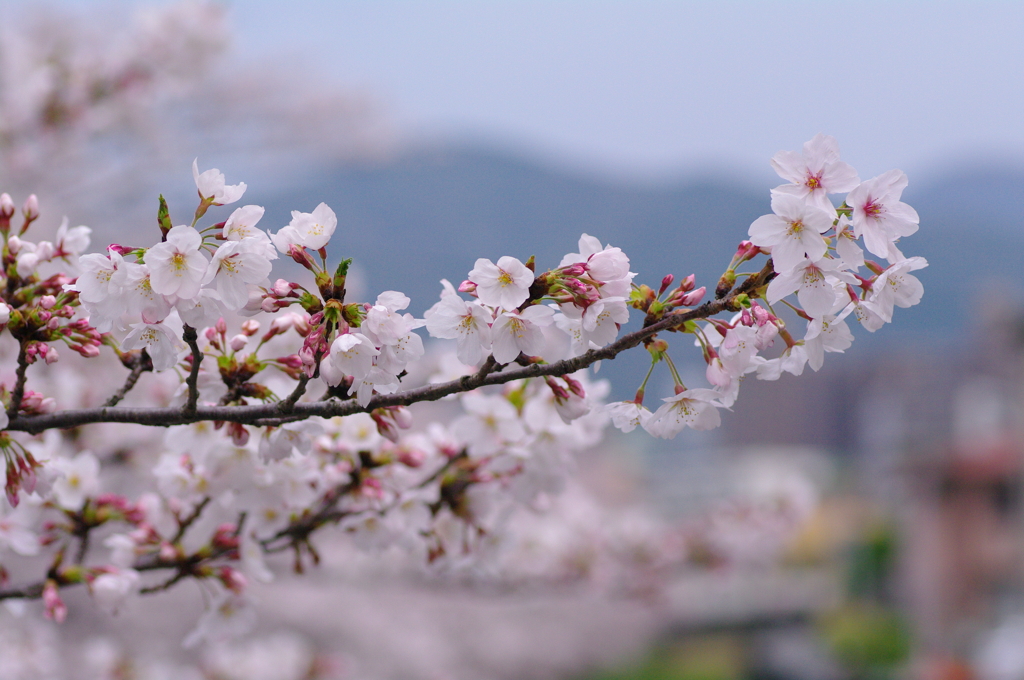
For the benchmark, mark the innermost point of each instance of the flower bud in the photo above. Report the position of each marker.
(47, 301)
(412, 457)
(281, 288)
(14, 245)
(251, 327)
(5, 313)
(6, 206)
(693, 297)
(51, 356)
(238, 342)
(665, 283)
(31, 208)
(467, 287)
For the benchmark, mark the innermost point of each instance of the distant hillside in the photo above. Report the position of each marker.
(431, 213)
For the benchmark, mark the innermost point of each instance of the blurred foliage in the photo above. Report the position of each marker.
(866, 638)
(707, 657)
(871, 562)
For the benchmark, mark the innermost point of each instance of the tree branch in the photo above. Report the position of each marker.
(18, 392)
(190, 337)
(260, 414)
(139, 365)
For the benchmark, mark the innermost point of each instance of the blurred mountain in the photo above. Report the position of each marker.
(430, 213)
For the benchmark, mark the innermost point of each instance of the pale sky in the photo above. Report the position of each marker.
(661, 89)
(655, 88)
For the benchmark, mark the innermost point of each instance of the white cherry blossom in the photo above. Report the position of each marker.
(177, 266)
(236, 264)
(307, 230)
(79, 479)
(515, 332)
(352, 354)
(212, 187)
(505, 285)
(468, 323)
(896, 286)
(158, 340)
(815, 172)
(793, 232)
(697, 408)
(878, 214)
(828, 334)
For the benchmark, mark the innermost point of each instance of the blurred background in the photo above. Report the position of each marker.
(863, 521)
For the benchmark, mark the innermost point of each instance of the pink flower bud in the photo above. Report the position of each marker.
(412, 457)
(268, 305)
(578, 269)
(55, 609)
(6, 206)
(281, 324)
(281, 288)
(14, 245)
(168, 553)
(693, 297)
(232, 579)
(89, 351)
(210, 333)
(5, 313)
(238, 342)
(222, 326)
(467, 287)
(239, 435)
(687, 284)
(51, 355)
(251, 327)
(48, 405)
(402, 417)
(47, 301)
(31, 208)
(665, 283)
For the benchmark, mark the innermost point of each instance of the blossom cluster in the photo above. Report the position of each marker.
(815, 256)
(295, 408)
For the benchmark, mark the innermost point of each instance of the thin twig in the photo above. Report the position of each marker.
(265, 413)
(19, 384)
(190, 337)
(139, 366)
(184, 524)
(288, 403)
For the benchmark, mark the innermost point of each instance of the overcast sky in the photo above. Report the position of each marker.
(658, 89)
(655, 88)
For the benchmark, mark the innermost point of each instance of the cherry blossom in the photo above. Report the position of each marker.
(505, 285)
(793, 232)
(816, 172)
(177, 266)
(519, 332)
(696, 408)
(878, 214)
(307, 230)
(212, 187)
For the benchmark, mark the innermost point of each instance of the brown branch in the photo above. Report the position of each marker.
(288, 403)
(139, 365)
(272, 413)
(18, 392)
(190, 337)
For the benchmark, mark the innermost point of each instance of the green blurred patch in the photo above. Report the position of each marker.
(867, 638)
(711, 657)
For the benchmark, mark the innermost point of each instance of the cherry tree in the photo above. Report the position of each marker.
(280, 409)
